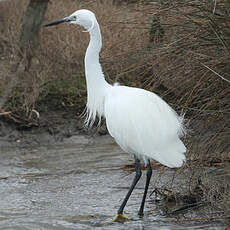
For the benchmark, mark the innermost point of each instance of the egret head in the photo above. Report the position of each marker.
(84, 18)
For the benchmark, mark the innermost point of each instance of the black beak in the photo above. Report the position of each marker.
(67, 19)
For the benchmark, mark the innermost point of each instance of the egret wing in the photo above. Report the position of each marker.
(144, 125)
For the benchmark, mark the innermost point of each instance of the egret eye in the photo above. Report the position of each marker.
(74, 17)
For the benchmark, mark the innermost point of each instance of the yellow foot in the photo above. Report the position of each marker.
(121, 218)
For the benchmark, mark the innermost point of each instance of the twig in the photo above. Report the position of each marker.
(5, 113)
(214, 8)
(215, 73)
(204, 219)
(186, 207)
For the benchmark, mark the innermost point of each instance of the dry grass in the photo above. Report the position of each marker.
(57, 66)
(180, 50)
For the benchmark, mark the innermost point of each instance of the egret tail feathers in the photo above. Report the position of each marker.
(172, 156)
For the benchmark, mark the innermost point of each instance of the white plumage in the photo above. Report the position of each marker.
(144, 125)
(141, 122)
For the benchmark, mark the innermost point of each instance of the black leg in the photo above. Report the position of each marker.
(136, 179)
(148, 177)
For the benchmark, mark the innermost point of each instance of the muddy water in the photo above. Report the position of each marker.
(74, 185)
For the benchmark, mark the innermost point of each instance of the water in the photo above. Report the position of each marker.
(75, 185)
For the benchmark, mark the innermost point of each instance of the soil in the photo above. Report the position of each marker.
(53, 126)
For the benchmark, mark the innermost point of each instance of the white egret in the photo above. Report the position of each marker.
(142, 123)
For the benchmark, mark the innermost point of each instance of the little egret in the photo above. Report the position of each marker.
(142, 123)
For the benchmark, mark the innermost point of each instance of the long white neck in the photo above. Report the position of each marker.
(95, 80)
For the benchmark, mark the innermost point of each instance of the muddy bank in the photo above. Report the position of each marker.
(52, 126)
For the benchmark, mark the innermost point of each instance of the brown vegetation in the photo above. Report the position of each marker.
(178, 49)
